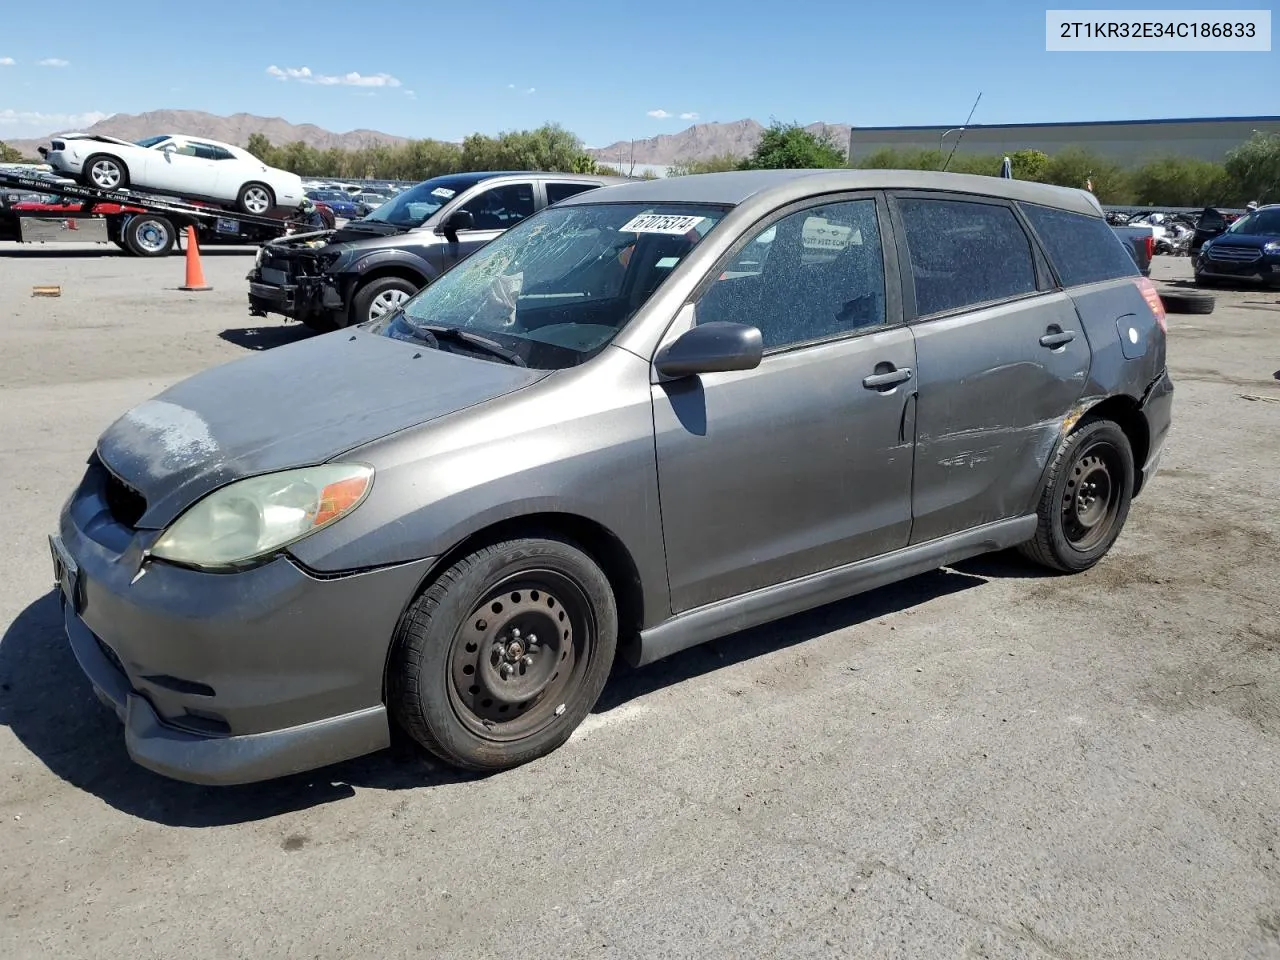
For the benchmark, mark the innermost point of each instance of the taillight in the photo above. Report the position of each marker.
(1151, 247)
(1152, 296)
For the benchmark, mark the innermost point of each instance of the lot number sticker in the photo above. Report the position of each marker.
(444, 192)
(661, 223)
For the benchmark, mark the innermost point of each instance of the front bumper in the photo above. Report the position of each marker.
(1264, 270)
(298, 298)
(226, 678)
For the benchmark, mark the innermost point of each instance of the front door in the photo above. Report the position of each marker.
(1001, 358)
(183, 171)
(493, 211)
(803, 463)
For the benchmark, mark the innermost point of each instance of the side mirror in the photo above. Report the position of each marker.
(711, 348)
(459, 220)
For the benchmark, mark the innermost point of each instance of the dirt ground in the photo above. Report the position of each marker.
(980, 762)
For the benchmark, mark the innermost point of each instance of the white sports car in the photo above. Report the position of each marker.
(178, 165)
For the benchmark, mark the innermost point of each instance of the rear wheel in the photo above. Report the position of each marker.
(105, 172)
(148, 235)
(1085, 500)
(379, 297)
(256, 199)
(504, 654)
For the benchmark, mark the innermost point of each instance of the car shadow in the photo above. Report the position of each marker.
(50, 707)
(265, 338)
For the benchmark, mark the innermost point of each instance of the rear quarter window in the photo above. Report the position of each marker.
(1083, 249)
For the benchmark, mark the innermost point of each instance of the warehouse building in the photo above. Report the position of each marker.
(1130, 142)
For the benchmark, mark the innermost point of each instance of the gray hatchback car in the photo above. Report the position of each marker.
(648, 416)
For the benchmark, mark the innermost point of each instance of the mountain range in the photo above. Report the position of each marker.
(702, 141)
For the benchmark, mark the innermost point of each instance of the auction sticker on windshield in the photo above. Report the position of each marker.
(443, 192)
(660, 223)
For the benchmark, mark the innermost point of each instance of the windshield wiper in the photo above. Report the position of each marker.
(439, 332)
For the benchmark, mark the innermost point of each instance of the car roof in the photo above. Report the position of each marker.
(778, 187)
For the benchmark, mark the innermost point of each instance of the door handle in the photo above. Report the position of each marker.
(1057, 338)
(877, 381)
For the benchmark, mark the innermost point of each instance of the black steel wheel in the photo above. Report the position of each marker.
(1086, 497)
(504, 654)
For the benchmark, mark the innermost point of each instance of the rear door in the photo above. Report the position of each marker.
(803, 463)
(1001, 358)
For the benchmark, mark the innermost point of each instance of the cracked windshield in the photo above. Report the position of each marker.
(558, 288)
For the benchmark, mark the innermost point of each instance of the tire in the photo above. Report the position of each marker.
(1188, 301)
(97, 172)
(373, 300)
(1098, 452)
(255, 199)
(148, 235)
(461, 681)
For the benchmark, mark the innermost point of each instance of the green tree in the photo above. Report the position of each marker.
(1180, 182)
(8, 154)
(260, 147)
(1254, 169)
(791, 147)
(1029, 165)
(1075, 167)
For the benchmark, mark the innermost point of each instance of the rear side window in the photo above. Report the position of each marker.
(1083, 249)
(559, 191)
(964, 254)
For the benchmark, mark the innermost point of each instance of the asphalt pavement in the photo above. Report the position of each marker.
(979, 762)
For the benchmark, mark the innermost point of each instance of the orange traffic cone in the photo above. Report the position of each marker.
(195, 271)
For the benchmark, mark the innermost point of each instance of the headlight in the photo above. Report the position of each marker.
(252, 518)
(1272, 248)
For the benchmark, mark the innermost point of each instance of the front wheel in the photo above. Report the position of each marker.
(504, 655)
(1085, 500)
(379, 297)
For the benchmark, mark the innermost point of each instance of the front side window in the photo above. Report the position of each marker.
(811, 276)
(556, 289)
(502, 207)
(964, 254)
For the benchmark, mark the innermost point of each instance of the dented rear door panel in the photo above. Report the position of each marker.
(992, 400)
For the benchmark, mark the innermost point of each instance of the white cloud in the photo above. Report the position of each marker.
(7, 61)
(55, 62)
(352, 79)
(659, 114)
(511, 86)
(29, 124)
(691, 115)
(411, 94)
(531, 90)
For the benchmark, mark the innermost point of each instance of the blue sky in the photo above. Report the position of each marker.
(599, 68)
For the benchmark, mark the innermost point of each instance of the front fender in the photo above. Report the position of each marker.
(403, 260)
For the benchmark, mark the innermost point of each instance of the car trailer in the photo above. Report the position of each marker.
(141, 224)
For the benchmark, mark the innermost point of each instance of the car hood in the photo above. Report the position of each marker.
(1255, 240)
(293, 406)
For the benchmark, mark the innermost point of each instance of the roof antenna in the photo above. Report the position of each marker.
(956, 145)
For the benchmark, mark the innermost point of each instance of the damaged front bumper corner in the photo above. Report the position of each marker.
(304, 298)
